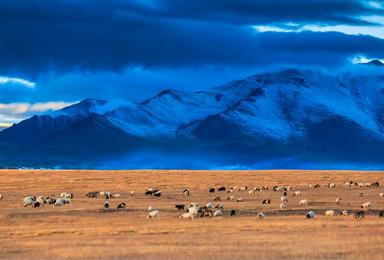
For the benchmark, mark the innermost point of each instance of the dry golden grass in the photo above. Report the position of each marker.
(84, 230)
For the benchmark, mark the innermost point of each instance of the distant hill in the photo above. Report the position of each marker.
(291, 118)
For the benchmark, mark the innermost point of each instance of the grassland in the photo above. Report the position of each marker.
(83, 230)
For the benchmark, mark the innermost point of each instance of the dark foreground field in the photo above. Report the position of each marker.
(84, 230)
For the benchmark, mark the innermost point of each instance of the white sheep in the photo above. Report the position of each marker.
(251, 192)
(261, 215)
(218, 213)
(66, 195)
(331, 185)
(381, 194)
(338, 200)
(187, 215)
(284, 199)
(366, 205)
(193, 210)
(116, 196)
(41, 200)
(62, 201)
(345, 213)
(310, 214)
(153, 214)
(132, 193)
(297, 193)
(303, 203)
(283, 205)
(243, 188)
(28, 201)
(240, 199)
(330, 213)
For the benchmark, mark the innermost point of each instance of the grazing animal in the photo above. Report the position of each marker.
(41, 200)
(108, 195)
(132, 193)
(251, 192)
(261, 215)
(297, 193)
(283, 205)
(217, 198)
(375, 184)
(359, 215)
(245, 188)
(310, 214)
(212, 190)
(36, 204)
(218, 213)
(331, 185)
(266, 201)
(121, 206)
(66, 195)
(221, 189)
(210, 205)
(193, 210)
(157, 194)
(180, 206)
(187, 215)
(303, 203)
(233, 212)
(92, 194)
(381, 214)
(28, 201)
(186, 192)
(106, 205)
(284, 198)
(338, 200)
(231, 198)
(345, 213)
(381, 194)
(116, 196)
(366, 205)
(62, 201)
(153, 214)
(1, 196)
(330, 213)
(240, 200)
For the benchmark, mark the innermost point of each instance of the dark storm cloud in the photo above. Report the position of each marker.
(108, 35)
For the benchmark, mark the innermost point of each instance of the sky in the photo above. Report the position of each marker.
(56, 53)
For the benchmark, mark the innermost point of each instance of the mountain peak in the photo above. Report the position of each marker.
(375, 62)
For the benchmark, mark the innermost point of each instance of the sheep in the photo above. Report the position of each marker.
(261, 215)
(245, 188)
(50, 200)
(66, 195)
(205, 212)
(106, 205)
(29, 200)
(338, 200)
(108, 195)
(186, 192)
(157, 193)
(41, 200)
(217, 198)
(62, 201)
(331, 185)
(381, 194)
(303, 203)
(116, 196)
(330, 213)
(187, 215)
(240, 200)
(218, 213)
(284, 198)
(132, 193)
(221, 189)
(345, 212)
(180, 206)
(153, 214)
(297, 193)
(231, 190)
(210, 205)
(310, 214)
(375, 184)
(1, 196)
(102, 193)
(121, 206)
(193, 210)
(251, 192)
(231, 198)
(92, 194)
(359, 215)
(283, 205)
(212, 190)
(366, 205)
(233, 212)
(381, 214)
(314, 186)
(266, 201)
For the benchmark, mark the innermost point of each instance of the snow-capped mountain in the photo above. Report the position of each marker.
(288, 118)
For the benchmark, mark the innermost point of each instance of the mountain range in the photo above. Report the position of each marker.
(287, 118)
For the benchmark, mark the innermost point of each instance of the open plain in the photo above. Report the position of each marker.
(84, 230)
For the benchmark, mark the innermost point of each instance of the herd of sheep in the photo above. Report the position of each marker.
(194, 210)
